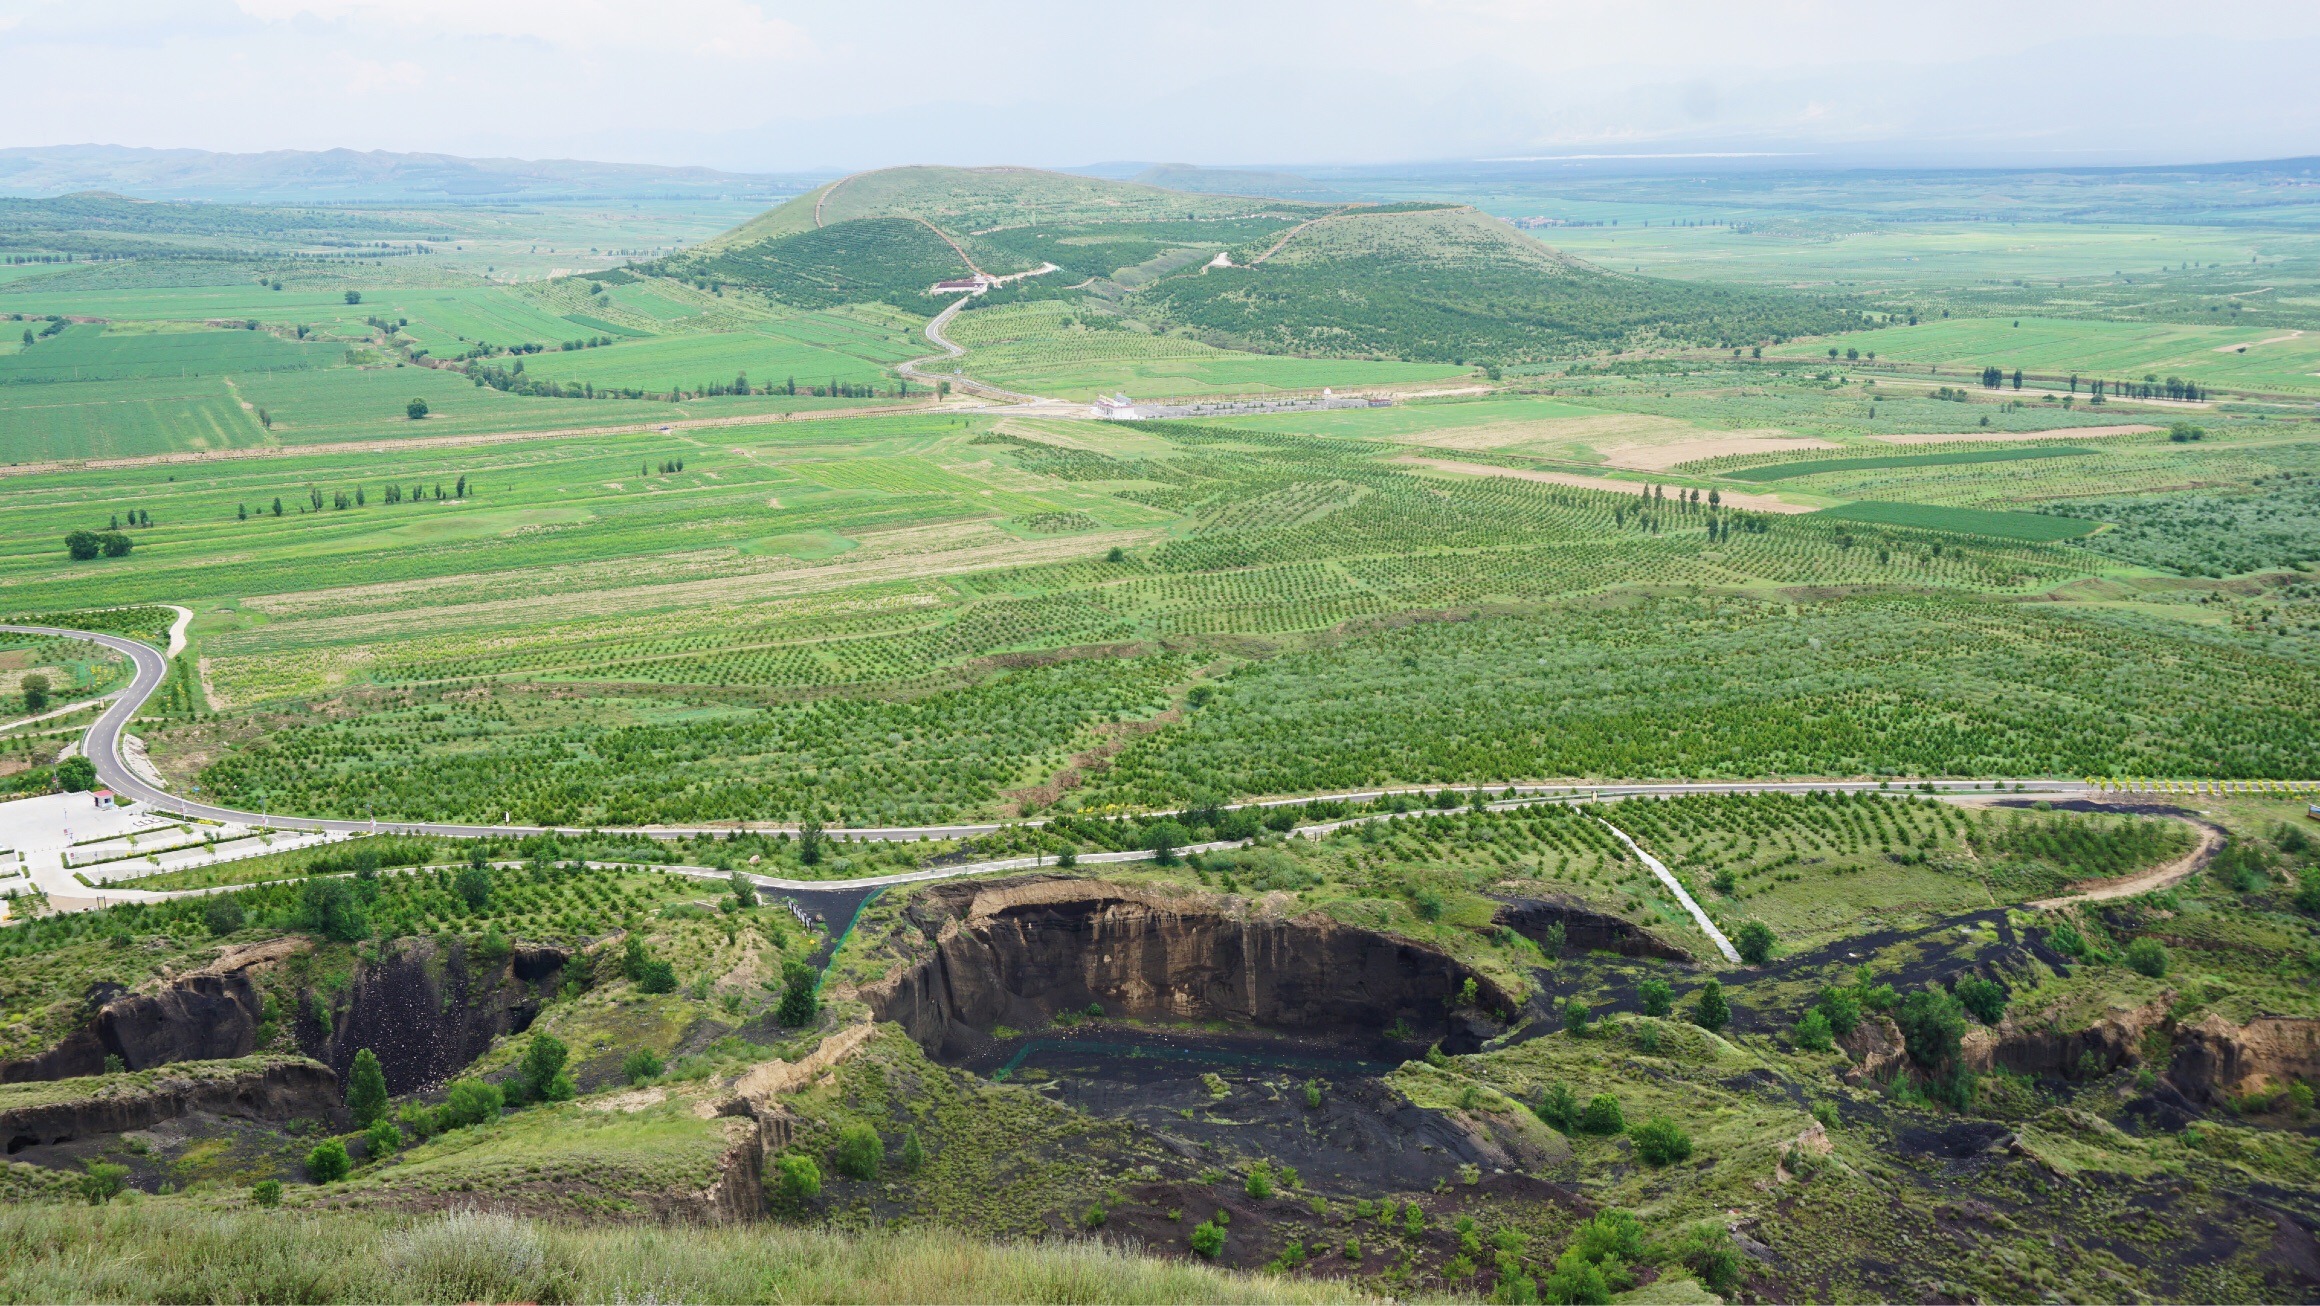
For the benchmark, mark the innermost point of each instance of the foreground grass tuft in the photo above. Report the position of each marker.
(159, 1250)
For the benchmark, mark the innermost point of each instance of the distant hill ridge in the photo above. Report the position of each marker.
(371, 176)
(1417, 281)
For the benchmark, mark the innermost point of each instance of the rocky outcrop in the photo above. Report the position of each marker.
(1018, 951)
(1876, 1047)
(738, 1195)
(2049, 1051)
(427, 1007)
(2215, 1057)
(256, 1089)
(208, 1015)
(1584, 929)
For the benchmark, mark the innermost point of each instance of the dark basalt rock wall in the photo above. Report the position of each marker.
(1584, 929)
(1017, 952)
(427, 1008)
(209, 1017)
(284, 1090)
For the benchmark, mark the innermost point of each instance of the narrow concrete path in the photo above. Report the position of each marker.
(1668, 878)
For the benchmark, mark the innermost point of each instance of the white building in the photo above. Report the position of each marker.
(1114, 408)
(974, 285)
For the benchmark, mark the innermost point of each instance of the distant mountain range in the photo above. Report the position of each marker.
(368, 177)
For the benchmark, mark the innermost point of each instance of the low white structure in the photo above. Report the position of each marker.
(974, 285)
(1114, 408)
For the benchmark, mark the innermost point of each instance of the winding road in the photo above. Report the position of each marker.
(952, 349)
(103, 746)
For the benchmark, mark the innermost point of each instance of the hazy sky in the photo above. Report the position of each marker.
(853, 83)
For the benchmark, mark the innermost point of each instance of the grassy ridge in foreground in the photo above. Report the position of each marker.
(1965, 521)
(168, 1250)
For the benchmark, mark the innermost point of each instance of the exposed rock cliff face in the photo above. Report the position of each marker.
(2205, 1061)
(2114, 1041)
(1584, 929)
(2215, 1057)
(1018, 951)
(426, 1009)
(278, 1090)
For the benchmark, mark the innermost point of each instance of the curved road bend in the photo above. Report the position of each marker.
(103, 747)
(952, 349)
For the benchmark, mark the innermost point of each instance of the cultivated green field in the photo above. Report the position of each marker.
(2255, 358)
(1644, 527)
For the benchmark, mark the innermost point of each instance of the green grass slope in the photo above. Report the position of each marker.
(1450, 285)
(966, 200)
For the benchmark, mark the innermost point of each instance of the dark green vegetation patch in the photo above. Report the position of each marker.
(1813, 466)
(1963, 521)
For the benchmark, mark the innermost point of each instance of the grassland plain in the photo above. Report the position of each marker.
(1048, 348)
(2218, 355)
(917, 618)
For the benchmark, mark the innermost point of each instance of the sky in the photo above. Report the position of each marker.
(808, 84)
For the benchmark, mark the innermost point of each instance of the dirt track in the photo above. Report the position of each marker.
(2150, 881)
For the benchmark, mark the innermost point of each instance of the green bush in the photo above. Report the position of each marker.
(473, 884)
(76, 775)
(1711, 1012)
(102, 1181)
(366, 1088)
(330, 907)
(1602, 1116)
(327, 1163)
(267, 1193)
(1575, 1015)
(2148, 956)
(796, 1179)
(541, 1073)
(1658, 999)
(1259, 1184)
(1754, 943)
(656, 977)
(1812, 1032)
(471, 1102)
(1842, 1009)
(799, 1007)
(419, 1120)
(860, 1152)
(641, 1065)
(383, 1139)
(913, 1157)
(2308, 892)
(1659, 1142)
(223, 914)
(1207, 1238)
(1559, 1107)
(1985, 998)
(1933, 1025)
